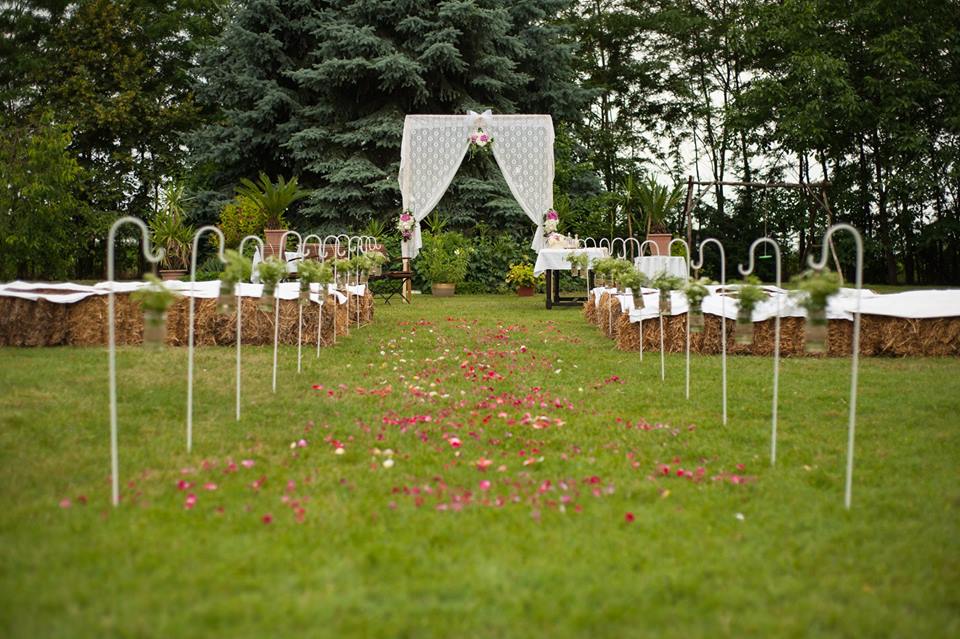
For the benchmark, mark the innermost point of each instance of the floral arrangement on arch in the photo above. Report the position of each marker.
(550, 221)
(480, 142)
(406, 224)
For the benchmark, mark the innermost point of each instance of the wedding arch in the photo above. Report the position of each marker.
(433, 149)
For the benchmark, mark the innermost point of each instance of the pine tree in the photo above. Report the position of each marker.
(320, 89)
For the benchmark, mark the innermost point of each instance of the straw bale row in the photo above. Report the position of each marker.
(84, 323)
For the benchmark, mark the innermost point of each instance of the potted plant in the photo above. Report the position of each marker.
(362, 264)
(656, 201)
(579, 264)
(816, 288)
(521, 276)
(273, 199)
(154, 299)
(634, 280)
(310, 271)
(378, 260)
(696, 291)
(749, 294)
(603, 270)
(619, 269)
(666, 283)
(271, 271)
(341, 269)
(172, 234)
(236, 270)
(445, 263)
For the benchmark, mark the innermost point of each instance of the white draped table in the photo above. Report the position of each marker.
(555, 259)
(654, 265)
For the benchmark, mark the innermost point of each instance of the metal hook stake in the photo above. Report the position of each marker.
(190, 331)
(776, 337)
(240, 316)
(112, 351)
(723, 311)
(855, 360)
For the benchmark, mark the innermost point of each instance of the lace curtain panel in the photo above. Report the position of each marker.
(434, 146)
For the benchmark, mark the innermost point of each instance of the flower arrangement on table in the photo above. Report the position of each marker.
(550, 221)
(406, 224)
(480, 142)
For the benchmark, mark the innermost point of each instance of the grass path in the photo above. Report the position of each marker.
(539, 483)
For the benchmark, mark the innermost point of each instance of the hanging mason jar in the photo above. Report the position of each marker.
(267, 299)
(376, 270)
(304, 293)
(666, 306)
(815, 332)
(743, 334)
(154, 327)
(696, 321)
(637, 297)
(227, 300)
(363, 277)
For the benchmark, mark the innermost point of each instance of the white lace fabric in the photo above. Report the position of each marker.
(434, 146)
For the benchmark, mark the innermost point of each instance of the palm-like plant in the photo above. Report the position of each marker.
(656, 201)
(274, 199)
(169, 229)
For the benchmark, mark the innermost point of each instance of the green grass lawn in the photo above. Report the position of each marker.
(574, 437)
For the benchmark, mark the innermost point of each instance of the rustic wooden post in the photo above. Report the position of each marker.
(688, 213)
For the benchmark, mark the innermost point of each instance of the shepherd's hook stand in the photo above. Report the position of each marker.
(855, 359)
(112, 350)
(190, 331)
(776, 338)
(240, 316)
(723, 311)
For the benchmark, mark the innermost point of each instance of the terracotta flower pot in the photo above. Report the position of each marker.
(662, 240)
(443, 290)
(272, 239)
(525, 291)
(172, 274)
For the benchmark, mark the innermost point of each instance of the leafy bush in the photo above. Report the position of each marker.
(446, 258)
(239, 218)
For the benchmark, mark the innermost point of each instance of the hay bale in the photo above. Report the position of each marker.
(28, 323)
(791, 337)
(840, 339)
(609, 313)
(711, 340)
(939, 337)
(590, 310)
(87, 321)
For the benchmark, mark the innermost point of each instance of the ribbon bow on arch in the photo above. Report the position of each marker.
(475, 120)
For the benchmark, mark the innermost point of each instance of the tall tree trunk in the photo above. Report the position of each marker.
(883, 221)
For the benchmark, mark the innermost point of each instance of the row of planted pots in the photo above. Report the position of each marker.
(155, 298)
(814, 288)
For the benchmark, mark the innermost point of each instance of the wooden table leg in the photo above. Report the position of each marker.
(549, 276)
